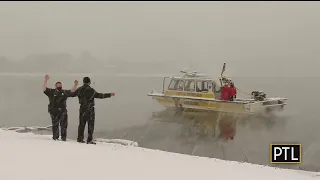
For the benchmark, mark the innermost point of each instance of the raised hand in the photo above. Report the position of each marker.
(46, 77)
(113, 94)
(76, 82)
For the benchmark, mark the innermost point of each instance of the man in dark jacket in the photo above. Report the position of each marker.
(86, 96)
(57, 107)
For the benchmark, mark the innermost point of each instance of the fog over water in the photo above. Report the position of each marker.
(127, 48)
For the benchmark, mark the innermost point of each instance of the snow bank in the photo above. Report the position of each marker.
(36, 157)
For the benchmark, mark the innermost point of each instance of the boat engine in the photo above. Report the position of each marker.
(258, 95)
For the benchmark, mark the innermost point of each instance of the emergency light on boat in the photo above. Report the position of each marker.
(185, 72)
(192, 74)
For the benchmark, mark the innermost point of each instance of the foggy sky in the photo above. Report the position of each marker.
(246, 35)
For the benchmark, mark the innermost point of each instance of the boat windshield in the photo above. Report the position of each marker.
(189, 85)
(176, 84)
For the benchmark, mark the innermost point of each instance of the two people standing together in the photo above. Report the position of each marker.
(57, 108)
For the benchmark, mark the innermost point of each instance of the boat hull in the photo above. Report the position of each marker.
(206, 104)
(201, 105)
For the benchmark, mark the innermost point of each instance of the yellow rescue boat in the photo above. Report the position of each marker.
(195, 99)
(191, 91)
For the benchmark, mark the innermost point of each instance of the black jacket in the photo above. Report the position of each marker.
(87, 94)
(57, 99)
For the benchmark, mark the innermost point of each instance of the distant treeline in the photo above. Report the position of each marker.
(58, 62)
(84, 63)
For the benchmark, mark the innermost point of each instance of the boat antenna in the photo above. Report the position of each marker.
(222, 71)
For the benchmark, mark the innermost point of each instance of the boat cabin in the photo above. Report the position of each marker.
(193, 85)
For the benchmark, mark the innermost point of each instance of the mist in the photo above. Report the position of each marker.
(127, 48)
(262, 38)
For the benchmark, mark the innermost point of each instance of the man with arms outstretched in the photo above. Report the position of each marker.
(57, 107)
(86, 95)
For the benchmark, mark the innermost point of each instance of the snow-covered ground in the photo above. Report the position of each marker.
(25, 156)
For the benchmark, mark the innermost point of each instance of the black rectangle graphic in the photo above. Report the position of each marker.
(285, 153)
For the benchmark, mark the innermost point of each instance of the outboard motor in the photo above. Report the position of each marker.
(258, 95)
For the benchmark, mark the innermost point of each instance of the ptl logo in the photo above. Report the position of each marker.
(285, 153)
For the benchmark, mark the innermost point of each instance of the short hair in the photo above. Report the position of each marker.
(86, 80)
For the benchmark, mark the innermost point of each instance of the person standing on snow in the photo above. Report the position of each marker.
(86, 96)
(57, 107)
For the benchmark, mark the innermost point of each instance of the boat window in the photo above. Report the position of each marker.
(215, 87)
(180, 85)
(199, 86)
(210, 85)
(189, 85)
(176, 85)
(205, 86)
(202, 86)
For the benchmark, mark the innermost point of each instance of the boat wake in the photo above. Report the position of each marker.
(201, 134)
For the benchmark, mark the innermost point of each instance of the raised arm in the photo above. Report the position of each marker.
(47, 91)
(73, 92)
(45, 82)
(75, 86)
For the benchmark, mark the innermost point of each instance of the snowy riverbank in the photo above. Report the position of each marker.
(37, 157)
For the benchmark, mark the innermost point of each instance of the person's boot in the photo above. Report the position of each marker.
(91, 142)
(80, 141)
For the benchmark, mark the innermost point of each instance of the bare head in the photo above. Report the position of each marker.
(86, 80)
(58, 85)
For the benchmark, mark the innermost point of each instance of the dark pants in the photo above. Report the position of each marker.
(59, 117)
(86, 115)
